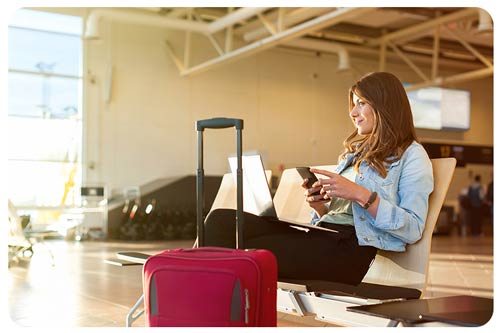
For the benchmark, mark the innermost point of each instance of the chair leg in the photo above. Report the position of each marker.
(130, 315)
(41, 240)
(393, 323)
(299, 308)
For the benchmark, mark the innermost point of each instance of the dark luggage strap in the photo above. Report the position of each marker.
(363, 290)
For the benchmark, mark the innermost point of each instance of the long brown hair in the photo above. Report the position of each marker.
(393, 130)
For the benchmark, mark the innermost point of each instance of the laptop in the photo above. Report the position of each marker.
(257, 197)
(256, 194)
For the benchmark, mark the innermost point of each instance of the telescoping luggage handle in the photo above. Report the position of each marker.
(219, 123)
(200, 176)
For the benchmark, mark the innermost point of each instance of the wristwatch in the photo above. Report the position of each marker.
(371, 200)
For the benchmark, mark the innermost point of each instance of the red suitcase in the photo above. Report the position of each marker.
(212, 286)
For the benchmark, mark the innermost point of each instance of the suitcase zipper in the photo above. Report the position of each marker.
(247, 305)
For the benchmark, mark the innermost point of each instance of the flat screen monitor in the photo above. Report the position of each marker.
(440, 108)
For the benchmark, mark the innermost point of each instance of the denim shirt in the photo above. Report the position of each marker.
(404, 200)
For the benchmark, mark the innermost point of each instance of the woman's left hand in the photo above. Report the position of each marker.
(338, 186)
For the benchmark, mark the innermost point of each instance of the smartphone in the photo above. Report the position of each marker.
(306, 173)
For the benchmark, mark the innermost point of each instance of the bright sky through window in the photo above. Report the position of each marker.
(26, 18)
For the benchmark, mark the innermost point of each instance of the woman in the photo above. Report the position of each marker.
(377, 198)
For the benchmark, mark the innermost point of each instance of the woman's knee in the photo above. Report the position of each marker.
(220, 228)
(219, 216)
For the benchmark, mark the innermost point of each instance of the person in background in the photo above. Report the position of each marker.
(475, 194)
(489, 198)
(377, 198)
(464, 211)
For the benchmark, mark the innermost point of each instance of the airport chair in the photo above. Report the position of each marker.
(22, 237)
(19, 245)
(226, 195)
(392, 275)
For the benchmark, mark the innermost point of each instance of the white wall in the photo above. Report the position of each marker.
(294, 107)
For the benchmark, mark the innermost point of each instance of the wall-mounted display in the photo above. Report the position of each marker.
(440, 109)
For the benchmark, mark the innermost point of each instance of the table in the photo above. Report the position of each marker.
(460, 310)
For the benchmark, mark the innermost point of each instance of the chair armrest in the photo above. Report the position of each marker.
(121, 263)
(363, 290)
(135, 257)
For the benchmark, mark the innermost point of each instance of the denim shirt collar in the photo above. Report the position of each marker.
(346, 162)
(349, 159)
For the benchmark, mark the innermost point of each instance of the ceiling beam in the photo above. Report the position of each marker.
(462, 77)
(408, 61)
(234, 17)
(359, 50)
(411, 32)
(92, 24)
(287, 19)
(286, 35)
(470, 48)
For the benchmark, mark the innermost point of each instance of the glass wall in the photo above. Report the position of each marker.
(44, 109)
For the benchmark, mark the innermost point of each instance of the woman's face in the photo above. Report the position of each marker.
(362, 115)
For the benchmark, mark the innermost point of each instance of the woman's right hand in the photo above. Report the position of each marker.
(314, 198)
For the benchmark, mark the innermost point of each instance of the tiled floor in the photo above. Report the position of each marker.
(77, 289)
(461, 265)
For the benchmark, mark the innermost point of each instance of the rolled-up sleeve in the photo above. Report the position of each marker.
(405, 219)
(314, 217)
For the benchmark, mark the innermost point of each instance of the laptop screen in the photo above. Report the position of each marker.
(256, 194)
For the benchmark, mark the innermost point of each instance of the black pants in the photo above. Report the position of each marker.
(475, 217)
(313, 255)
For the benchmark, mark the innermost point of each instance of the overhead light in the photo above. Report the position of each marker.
(485, 24)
